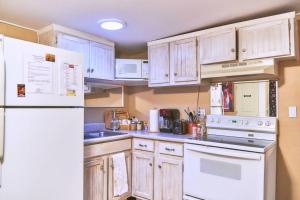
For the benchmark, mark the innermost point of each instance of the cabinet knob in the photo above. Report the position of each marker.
(159, 166)
(88, 70)
(175, 74)
(92, 70)
(166, 75)
(150, 164)
(244, 50)
(232, 50)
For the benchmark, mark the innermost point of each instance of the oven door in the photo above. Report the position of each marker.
(212, 173)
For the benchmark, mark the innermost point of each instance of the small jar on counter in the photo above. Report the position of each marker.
(140, 126)
(133, 126)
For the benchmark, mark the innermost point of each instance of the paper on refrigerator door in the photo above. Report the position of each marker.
(38, 74)
(69, 79)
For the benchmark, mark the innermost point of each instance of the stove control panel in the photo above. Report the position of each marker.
(268, 124)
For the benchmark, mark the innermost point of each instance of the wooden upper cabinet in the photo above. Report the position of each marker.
(101, 61)
(218, 46)
(142, 175)
(95, 179)
(76, 44)
(168, 178)
(183, 60)
(159, 62)
(269, 39)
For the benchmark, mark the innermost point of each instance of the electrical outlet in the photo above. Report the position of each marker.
(292, 111)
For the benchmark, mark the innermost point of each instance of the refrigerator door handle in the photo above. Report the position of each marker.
(2, 72)
(2, 133)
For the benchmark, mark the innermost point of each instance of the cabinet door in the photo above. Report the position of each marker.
(219, 46)
(142, 175)
(78, 45)
(183, 54)
(111, 178)
(101, 61)
(168, 178)
(95, 179)
(264, 40)
(159, 64)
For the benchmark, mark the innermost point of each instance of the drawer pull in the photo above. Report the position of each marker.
(169, 149)
(143, 145)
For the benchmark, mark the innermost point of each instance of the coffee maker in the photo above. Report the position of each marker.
(167, 119)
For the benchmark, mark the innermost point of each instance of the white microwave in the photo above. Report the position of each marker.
(132, 69)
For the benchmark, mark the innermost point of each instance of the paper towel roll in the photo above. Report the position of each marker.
(154, 120)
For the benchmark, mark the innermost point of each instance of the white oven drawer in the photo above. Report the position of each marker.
(215, 173)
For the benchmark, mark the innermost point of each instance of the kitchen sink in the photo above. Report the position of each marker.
(100, 134)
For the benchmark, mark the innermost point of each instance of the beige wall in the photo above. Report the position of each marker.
(105, 98)
(288, 157)
(142, 99)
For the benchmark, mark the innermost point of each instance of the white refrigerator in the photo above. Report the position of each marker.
(41, 122)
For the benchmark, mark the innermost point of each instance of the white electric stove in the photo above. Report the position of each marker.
(235, 161)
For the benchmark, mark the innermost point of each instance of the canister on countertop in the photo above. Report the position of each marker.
(133, 126)
(140, 126)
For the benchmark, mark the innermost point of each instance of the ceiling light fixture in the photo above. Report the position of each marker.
(112, 24)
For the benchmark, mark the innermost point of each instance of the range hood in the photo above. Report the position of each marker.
(264, 68)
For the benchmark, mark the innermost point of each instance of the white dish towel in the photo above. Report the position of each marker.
(120, 174)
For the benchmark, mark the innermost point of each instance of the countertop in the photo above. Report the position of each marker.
(253, 145)
(140, 134)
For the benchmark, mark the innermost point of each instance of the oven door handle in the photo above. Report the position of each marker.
(224, 153)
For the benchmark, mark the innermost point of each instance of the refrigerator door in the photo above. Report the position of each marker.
(2, 73)
(38, 75)
(43, 160)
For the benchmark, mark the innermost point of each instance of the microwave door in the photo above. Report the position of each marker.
(128, 69)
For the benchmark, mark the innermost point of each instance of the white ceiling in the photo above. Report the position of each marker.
(146, 19)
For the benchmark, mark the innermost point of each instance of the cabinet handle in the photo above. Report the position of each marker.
(166, 75)
(102, 168)
(91, 162)
(169, 149)
(88, 70)
(142, 145)
(244, 50)
(232, 50)
(92, 70)
(175, 74)
(112, 166)
(150, 164)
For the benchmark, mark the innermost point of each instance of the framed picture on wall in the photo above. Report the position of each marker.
(228, 96)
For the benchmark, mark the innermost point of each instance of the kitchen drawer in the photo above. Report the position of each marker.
(142, 144)
(169, 148)
(106, 148)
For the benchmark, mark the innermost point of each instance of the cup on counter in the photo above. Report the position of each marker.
(191, 126)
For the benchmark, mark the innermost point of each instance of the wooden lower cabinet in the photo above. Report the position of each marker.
(168, 178)
(95, 178)
(111, 178)
(142, 174)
